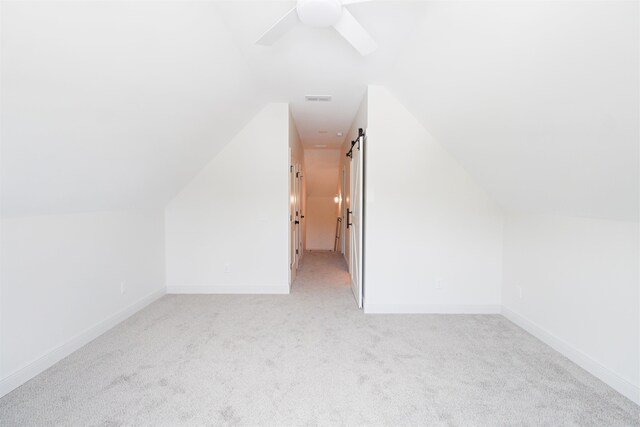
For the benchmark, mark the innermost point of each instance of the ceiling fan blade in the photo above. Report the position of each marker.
(280, 28)
(354, 33)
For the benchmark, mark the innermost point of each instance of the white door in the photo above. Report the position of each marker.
(301, 207)
(343, 226)
(355, 220)
(292, 225)
(297, 216)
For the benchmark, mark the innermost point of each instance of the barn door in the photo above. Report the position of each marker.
(292, 221)
(297, 195)
(355, 219)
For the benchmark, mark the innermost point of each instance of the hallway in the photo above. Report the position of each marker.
(321, 271)
(312, 358)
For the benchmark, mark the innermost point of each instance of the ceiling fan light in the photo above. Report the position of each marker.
(319, 13)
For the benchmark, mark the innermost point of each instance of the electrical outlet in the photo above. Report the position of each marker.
(227, 268)
(439, 284)
(520, 292)
(123, 287)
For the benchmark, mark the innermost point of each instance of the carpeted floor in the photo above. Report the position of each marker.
(312, 358)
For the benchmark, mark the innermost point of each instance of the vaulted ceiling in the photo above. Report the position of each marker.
(538, 100)
(318, 61)
(110, 104)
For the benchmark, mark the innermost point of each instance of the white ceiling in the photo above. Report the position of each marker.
(537, 100)
(112, 104)
(313, 61)
(109, 105)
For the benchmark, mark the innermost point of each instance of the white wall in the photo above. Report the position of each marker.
(573, 282)
(321, 223)
(61, 282)
(321, 211)
(227, 230)
(433, 237)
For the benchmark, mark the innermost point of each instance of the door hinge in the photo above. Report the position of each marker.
(290, 266)
(297, 252)
(291, 168)
(297, 174)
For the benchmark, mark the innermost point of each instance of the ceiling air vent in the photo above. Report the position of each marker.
(318, 98)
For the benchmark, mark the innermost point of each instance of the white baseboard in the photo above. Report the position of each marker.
(373, 308)
(228, 289)
(53, 356)
(578, 357)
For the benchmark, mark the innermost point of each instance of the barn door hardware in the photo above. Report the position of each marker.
(355, 141)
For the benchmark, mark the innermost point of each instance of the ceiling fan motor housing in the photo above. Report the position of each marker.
(319, 13)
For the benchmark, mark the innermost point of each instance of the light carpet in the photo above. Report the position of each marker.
(312, 358)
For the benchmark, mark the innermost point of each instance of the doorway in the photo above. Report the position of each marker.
(327, 209)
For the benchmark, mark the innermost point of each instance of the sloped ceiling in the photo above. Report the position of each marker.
(317, 61)
(112, 104)
(537, 100)
(109, 105)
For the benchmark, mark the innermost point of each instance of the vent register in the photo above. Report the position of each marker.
(317, 98)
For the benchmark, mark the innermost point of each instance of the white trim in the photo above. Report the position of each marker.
(375, 308)
(21, 375)
(577, 356)
(229, 289)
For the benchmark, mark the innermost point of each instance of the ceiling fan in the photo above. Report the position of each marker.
(322, 14)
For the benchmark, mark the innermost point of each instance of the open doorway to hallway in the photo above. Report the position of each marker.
(326, 209)
(324, 263)
(329, 145)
